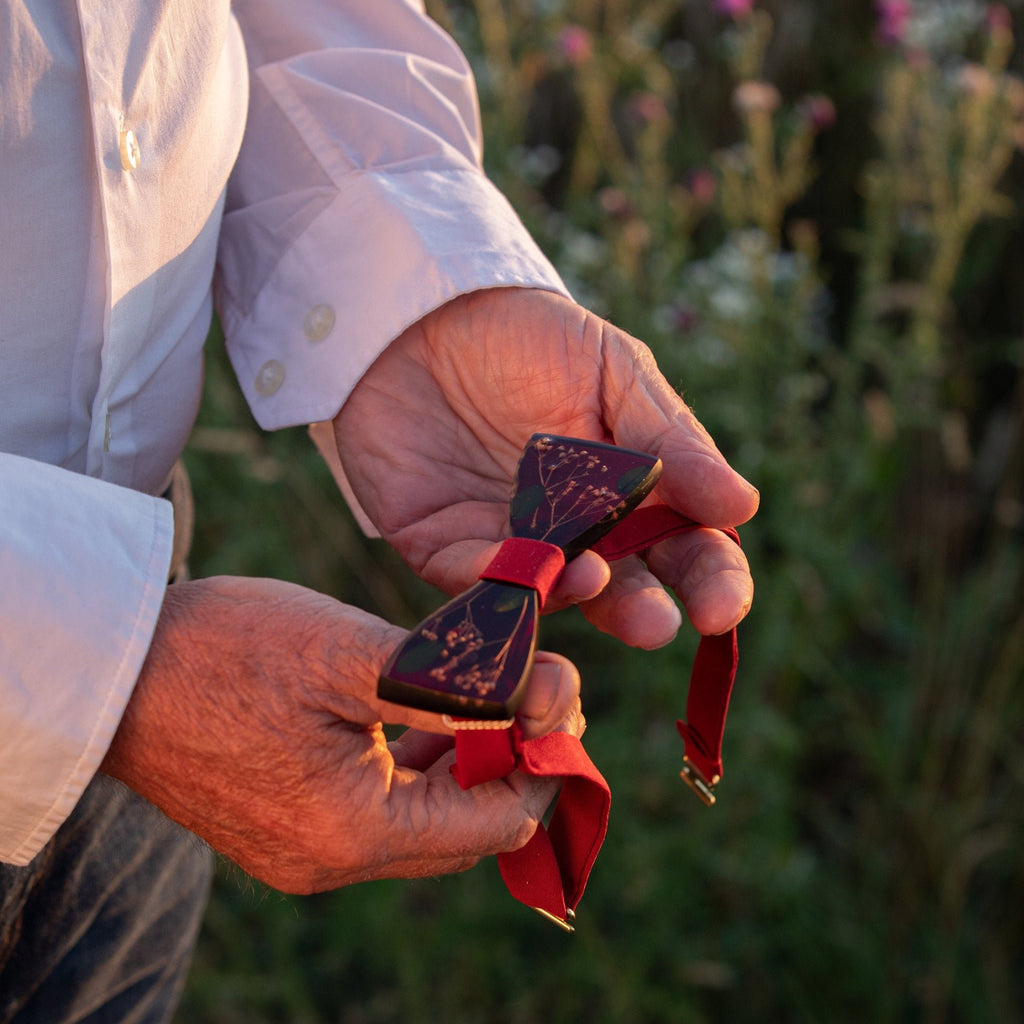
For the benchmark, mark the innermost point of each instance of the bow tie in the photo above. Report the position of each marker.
(470, 660)
(472, 657)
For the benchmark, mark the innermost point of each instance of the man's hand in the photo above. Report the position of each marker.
(255, 724)
(431, 435)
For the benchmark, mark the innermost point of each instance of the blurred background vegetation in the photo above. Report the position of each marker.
(812, 212)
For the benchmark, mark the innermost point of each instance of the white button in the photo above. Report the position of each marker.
(270, 378)
(130, 152)
(319, 322)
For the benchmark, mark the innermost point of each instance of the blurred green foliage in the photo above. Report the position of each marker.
(812, 214)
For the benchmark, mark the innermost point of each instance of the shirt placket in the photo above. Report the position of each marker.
(116, 102)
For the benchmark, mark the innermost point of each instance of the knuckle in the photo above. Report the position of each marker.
(522, 833)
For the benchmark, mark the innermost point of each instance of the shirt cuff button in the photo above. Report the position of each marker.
(319, 322)
(130, 152)
(269, 378)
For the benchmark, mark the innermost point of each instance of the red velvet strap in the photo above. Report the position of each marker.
(642, 529)
(482, 755)
(527, 563)
(714, 667)
(551, 871)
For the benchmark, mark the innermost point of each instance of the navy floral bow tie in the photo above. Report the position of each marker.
(472, 657)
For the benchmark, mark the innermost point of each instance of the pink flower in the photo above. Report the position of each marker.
(735, 9)
(818, 112)
(702, 186)
(575, 44)
(999, 20)
(648, 108)
(893, 19)
(615, 203)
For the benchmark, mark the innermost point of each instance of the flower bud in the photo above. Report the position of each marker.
(753, 96)
(818, 112)
(893, 21)
(735, 9)
(575, 44)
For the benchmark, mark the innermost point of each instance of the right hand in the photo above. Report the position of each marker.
(430, 436)
(255, 724)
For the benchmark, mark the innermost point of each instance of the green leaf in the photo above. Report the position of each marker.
(418, 653)
(527, 500)
(632, 479)
(510, 599)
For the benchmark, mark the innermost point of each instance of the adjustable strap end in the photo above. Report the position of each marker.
(567, 924)
(699, 772)
(695, 779)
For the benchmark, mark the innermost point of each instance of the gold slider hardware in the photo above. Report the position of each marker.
(565, 925)
(694, 778)
(476, 723)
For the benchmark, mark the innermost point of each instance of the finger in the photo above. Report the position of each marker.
(552, 696)
(419, 750)
(436, 821)
(710, 574)
(460, 564)
(707, 571)
(423, 824)
(582, 579)
(634, 607)
(451, 560)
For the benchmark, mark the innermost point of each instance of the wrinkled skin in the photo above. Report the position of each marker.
(431, 436)
(255, 723)
(255, 720)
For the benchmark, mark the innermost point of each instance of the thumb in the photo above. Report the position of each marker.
(644, 412)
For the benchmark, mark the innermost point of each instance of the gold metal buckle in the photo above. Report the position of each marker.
(565, 925)
(695, 779)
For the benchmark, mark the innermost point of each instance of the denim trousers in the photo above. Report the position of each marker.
(101, 926)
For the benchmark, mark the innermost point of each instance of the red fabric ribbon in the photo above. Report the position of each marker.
(714, 666)
(551, 871)
(527, 563)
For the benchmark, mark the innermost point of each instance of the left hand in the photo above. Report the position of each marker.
(431, 435)
(255, 723)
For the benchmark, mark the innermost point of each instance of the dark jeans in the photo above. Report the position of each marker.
(101, 926)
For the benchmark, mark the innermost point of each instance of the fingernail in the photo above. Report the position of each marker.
(545, 684)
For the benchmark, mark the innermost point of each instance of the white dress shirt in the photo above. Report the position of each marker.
(319, 162)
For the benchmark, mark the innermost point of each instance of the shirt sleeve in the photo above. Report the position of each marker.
(103, 556)
(358, 203)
